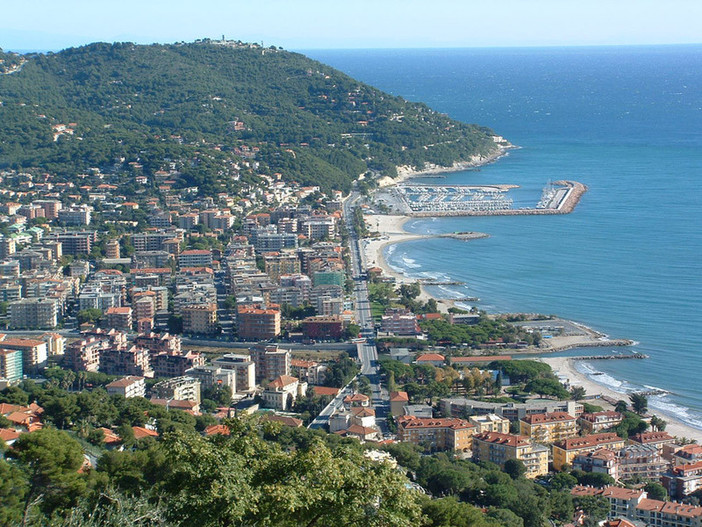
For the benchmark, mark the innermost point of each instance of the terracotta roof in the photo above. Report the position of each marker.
(622, 494)
(589, 441)
(652, 437)
(22, 343)
(362, 411)
(124, 381)
(7, 435)
(325, 390)
(592, 417)
(503, 439)
(356, 398)
(549, 417)
(118, 310)
(141, 432)
(109, 437)
(282, 381)
(359, 430)
(194, 252)
(411, 421)
(397, 397)
(430, 357)
(6, 408)
(299, 363)
(217, 430)
(681, 509)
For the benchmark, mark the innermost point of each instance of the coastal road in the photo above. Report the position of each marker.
(367, 351)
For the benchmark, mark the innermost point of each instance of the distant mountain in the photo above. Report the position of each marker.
(219, 112)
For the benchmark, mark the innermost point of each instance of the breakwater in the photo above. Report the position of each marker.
(638, 356)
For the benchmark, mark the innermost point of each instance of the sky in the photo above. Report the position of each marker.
(51, 25)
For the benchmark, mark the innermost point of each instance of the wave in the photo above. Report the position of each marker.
(682, 413)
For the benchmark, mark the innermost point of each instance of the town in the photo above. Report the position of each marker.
(177, 310)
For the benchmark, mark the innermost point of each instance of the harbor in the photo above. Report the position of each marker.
(434, 200)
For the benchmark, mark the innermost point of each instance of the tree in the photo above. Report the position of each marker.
(621, 406)
(656, 491)
(595, 507)
(577, 393)
(639, 403)
(563, 481)
(515, 468)
(52, 459)
(89, 315)
(13, 490)
(449, 512)
(657, 423)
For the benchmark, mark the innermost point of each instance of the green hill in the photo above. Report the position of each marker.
(220, 113)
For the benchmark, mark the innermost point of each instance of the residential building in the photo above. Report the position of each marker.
(271, 361)
(34, 313)
(398, 400)
(195, 258)
(10, 365)
(548, 427)
(179, 388)
(490, 423)
(432, 359)
(119, 318)
(592, 423)
(682, 480)
(282, 391)
(76, 215)
(399, 322)
(200, 319)
(211, 375)
(498, 448)
(435, 433)
(460, 407)
(255, 323)
(34, 352)
(131, 360)
(129, 386)
(279, 264)
(244, 368)
(635, 505)
(323, 327)
(565, 451)
(658, 439)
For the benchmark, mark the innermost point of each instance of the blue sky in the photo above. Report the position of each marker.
(326, 24)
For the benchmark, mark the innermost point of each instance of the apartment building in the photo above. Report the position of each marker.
(195, 258)
(548, 427)
(34, 352)
(282, 391)
(255, 323)
(436, 433)
(271, 362)
(498, 448)
(129, 386)
(11, 370)
(180, 388)
(200, 319)
(119, 318)
(490, 423)
(33, 313)
(244, 368)
(565, 451)
(592, 423)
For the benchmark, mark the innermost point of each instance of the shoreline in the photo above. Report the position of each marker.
(565, 366)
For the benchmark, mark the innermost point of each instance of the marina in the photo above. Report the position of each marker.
(424, 200)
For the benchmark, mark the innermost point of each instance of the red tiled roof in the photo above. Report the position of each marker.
(7, 435)
(141, 432)
(397, 397)
(652, 437)
(284, 420)
(325, 391)
(503, 439)
(282, 380)
(356, 398)
(430, 357)
(548, 417)
(217, 430)
(589, 441)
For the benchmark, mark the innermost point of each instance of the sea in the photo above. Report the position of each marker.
(626, 122)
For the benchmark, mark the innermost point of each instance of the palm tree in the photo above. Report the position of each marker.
(639, 403)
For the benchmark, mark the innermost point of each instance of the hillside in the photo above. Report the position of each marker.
(220, 113)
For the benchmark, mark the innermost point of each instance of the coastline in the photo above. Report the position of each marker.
(565, 366)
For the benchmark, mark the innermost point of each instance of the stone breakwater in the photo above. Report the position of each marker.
(575, 193)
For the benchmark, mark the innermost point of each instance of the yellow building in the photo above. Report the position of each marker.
(548, 427)
(490, 423)
(200, 318)
(499, 448)
(434, 433)
(564, 452)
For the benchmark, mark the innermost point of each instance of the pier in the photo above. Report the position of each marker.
(434, 282)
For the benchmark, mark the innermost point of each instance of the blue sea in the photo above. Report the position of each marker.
(625, 121)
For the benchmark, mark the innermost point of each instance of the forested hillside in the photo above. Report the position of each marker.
(207, 106)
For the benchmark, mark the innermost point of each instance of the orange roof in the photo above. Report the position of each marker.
(7, 435)
(356, 398)
(22, 343)
(411, 421)
(589, 441)
(193, 252)
(503, 439)
(681, 509)
(360, 430)
(109, 437)
(124, 381)
(430, 357)
(141, 432)
(622, 494)
(325, 391)
(398, 397)
(652, 437)
(118, 310)
(362, 411)
(282, 381)
(217, 430)
(6, 408)
(548, 417)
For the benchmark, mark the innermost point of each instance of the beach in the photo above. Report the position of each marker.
(566, 367)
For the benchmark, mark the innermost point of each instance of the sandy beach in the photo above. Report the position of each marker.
(566, 367)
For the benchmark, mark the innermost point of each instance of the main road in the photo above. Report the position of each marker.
(366, 350)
